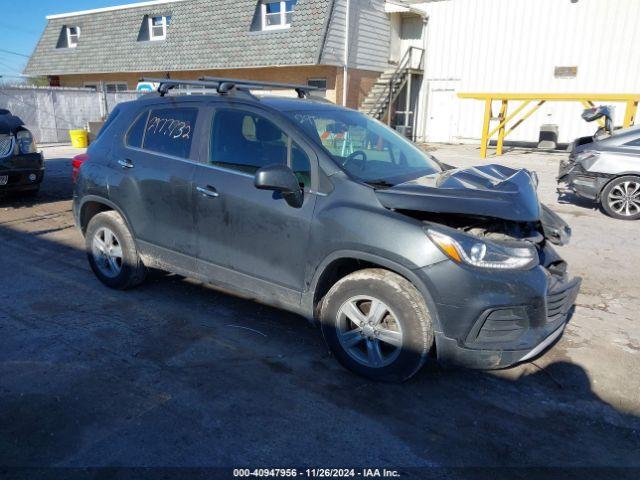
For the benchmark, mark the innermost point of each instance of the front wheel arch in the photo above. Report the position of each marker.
(319, 285)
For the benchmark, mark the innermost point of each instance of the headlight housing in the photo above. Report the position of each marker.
(26, 142)
(482, 253)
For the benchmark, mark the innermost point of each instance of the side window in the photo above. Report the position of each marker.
(245, 142)
(170, 131)
(136, 131)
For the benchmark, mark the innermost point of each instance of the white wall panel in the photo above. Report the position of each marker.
(514, 45)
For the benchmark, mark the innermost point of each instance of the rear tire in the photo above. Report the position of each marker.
(620, 198)
(377, 325)
(112, 252)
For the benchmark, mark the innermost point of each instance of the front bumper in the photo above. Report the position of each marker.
(19, 169)
(579, 181)
(491, 320)
(20, 180)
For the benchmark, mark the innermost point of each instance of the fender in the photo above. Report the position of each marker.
(104, 201)
(409, 274)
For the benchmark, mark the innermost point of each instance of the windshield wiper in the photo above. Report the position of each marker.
(380, 183)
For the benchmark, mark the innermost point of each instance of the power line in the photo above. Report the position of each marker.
(9, 66)
(14, 53)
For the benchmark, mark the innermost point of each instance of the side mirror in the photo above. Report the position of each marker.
(280, 178)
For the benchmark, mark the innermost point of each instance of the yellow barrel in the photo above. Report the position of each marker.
(79, 138)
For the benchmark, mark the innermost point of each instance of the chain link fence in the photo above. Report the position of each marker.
(50, 112)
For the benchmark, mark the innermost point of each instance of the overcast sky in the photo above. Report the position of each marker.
(22, 22)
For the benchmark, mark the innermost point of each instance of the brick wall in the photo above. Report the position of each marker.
(275, 74)
(360, 81)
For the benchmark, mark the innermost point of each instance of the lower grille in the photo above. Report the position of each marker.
(6, 145)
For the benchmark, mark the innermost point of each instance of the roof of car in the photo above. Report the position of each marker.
(280, 103)
(286, 104)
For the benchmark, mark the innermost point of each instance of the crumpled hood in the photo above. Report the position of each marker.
(489, 191)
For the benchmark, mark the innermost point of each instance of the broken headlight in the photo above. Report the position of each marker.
(481, 253)
(26, 142)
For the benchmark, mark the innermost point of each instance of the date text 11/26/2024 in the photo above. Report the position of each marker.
(316, 473)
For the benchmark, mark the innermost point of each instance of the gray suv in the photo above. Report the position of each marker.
(322, 211)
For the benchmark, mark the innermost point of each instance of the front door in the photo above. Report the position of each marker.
(153, 185)
(252, 239)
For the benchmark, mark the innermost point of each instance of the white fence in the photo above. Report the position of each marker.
(49, 112)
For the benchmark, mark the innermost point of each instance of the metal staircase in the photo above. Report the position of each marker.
(390, 84)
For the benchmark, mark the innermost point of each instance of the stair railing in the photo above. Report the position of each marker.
(396, 82)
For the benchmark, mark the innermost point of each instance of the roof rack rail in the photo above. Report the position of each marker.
(166, 84)
(230, 83)
(225, 85)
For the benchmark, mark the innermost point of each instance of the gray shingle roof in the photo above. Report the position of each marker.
(203, 34)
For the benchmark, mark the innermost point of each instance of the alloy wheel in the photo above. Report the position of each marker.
(624, 198)
(107, 252)
(369, 331)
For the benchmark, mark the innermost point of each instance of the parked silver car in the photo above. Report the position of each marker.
(606, 168)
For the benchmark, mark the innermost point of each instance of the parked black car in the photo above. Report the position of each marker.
(21, 165)
(320, 210)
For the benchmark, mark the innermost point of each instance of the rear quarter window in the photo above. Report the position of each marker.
(110, 120)
(136, 131)
(167, 131)
(170, 131)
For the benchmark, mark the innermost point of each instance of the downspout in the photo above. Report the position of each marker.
(345, 70)
(424, 90)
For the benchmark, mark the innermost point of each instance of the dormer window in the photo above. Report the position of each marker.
(73, 36)
(158, 27)
(277, 14)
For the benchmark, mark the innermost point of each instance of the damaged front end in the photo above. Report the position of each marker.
(580, 175)
(509, 294)
(490, 201)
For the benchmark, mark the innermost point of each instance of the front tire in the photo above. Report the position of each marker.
(620, 198)
(112, 252)
(377, 324)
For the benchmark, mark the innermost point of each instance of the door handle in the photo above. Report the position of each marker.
(208, 191)
(125, 163)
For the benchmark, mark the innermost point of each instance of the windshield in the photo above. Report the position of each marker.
(365, 148)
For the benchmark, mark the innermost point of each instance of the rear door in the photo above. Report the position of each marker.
(154, 186)
(250, 238)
